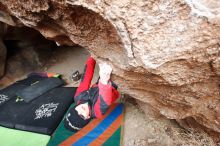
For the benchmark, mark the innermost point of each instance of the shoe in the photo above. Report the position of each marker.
(76, 76)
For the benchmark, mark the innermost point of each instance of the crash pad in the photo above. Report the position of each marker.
(31, 79)
(44, 114)
(10, 91)
(104, 131)
(41, 115)
(12, 137)
(39, 88)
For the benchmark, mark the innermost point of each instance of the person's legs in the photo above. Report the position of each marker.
(87, 76)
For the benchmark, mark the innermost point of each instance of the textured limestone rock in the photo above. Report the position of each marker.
(6, 18)
(208, 8)
(164, 52)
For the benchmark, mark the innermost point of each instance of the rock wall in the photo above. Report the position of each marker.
(164, 52)
(2, 58)
(3, 50)
(27, 51)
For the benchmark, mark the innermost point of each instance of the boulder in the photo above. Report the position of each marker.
(6, 18)
(163, 53)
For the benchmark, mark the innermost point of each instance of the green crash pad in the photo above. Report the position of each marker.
(12, 137)
(61, 133)
(97, 127)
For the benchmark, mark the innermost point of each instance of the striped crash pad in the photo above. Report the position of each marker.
(104, 131)
(12, 137)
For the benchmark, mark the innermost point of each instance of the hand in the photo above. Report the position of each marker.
(105, 71)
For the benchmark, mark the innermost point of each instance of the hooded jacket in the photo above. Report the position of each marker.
(99, 96)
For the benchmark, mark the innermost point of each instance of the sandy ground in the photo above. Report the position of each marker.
(141, 128)
(67, 60)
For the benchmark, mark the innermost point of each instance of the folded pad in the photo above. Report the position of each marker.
(105, 131)
(12, 137)
(39, 88)
(31, 79)
(41, 115)
(10, 91)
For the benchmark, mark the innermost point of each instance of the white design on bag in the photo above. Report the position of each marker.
(46, 110)
(3, 98)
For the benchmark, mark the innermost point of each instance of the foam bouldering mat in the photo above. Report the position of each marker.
(39, 88)
(46, 112)
(12, 111)
(12, 137)
(31, 79)
(9, 114)
(104, 131)
(41, 115)
(10, 91)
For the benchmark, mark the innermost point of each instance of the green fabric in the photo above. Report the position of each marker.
(57, 76)
(12, 137)
(60, 134)
(114, 140)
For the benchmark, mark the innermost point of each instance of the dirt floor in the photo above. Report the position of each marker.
(141, 128)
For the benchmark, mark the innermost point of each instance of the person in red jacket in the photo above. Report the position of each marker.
(91, 102)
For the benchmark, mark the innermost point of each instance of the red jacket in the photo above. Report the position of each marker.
(99, 96)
